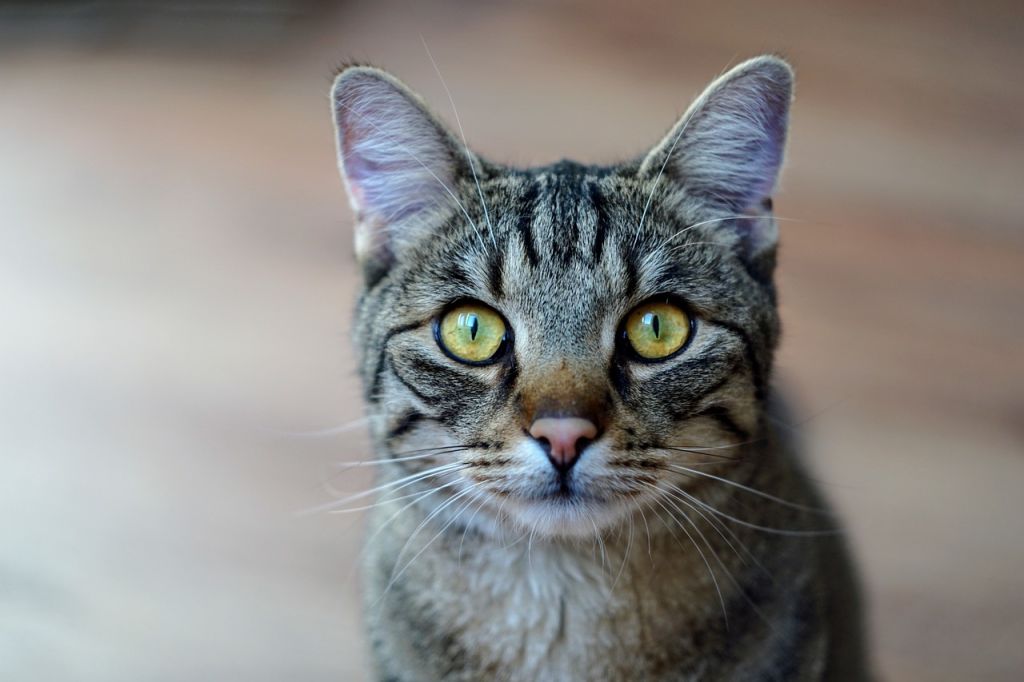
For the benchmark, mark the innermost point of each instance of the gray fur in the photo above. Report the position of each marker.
(494, 575)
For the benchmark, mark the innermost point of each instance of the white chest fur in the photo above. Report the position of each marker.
(539, 608)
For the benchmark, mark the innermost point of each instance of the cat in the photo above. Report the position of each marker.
(567, 370)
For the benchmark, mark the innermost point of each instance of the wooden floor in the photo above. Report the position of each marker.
(176, 285)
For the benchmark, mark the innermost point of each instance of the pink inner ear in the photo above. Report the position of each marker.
(394, 157)
(728, 149)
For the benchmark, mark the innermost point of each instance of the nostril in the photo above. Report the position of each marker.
(563, 438)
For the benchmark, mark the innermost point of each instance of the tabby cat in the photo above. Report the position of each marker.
(567, 370)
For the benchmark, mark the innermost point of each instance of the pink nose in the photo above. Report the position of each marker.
(565, 437)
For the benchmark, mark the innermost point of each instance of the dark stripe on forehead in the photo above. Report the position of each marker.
(668, 278)
(597, 200)
(494, 273)
(455, 273)
(566, 196)
(631, 276)
(525, 223)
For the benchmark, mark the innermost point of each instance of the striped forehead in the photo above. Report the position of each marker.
(561, 219)
(561, 267)
(557, 247)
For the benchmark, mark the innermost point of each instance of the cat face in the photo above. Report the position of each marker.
(551, 348)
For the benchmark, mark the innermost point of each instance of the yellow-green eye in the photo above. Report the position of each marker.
(657, 330)
(472, 333)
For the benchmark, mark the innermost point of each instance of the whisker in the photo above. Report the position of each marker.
(501, 508)
(341, 468)
(427, 452)
(625, 556)
(319, 433)
(661, 171)
(713, 553)
(736, 216)
(480, 497)
(752, 491)
(715, 463)
(390, 520)
(718, 527)
(523, 536)
(729, 574)
(720, 446)
(694, 451)
(755, 526)
(678, 247)
(402, 482)
(715, 523)
(471, 490)
(650, 554)
(465, 144)
(529, 546)
(418, 494)
(711, 572)
(423, 523)
(600, 543)
(437, 511)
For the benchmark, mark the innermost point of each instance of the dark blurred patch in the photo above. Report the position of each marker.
(209, 27)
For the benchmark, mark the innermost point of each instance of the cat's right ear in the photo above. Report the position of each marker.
(398, 162)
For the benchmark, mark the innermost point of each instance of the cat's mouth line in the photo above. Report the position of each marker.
(565, 497)
(564, 490)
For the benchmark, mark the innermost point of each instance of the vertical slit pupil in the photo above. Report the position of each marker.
(474, 326)
(656, 326)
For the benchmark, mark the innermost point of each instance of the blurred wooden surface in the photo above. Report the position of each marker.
(176, 284)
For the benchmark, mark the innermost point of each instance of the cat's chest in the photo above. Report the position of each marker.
(546, 615)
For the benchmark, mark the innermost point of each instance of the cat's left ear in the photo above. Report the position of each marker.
(726, 150)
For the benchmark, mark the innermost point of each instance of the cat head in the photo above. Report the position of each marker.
(547, 347)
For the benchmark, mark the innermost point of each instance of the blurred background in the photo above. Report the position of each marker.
(177, 281)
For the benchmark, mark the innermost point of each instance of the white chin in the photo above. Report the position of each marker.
(559, 518)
